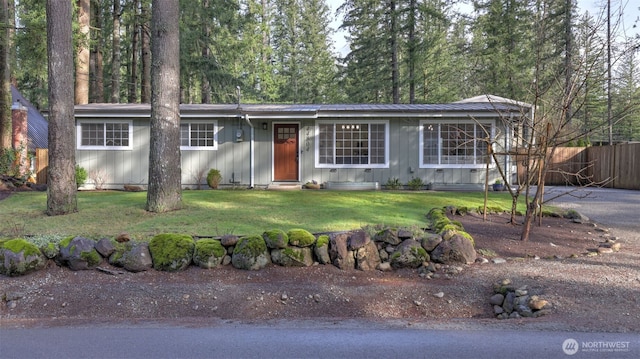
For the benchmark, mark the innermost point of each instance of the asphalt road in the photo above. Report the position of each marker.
(308, 341)
(616, 208)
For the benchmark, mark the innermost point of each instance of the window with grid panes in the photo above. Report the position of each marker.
(352, 144)
(454, 144)
(104, 135)
(198, 135)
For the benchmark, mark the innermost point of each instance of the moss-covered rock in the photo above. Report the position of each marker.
(19, 257)
(79, 253)
(323, 240)
(132, 256)
(321, 249)
(50, 250)
(208, 253)
(171, 252)
(409, 254)
(292, 257)
(389, 236)
(250, 253)
(458, 249)
(301, 238)
(276, 238)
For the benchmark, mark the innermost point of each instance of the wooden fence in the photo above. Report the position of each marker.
(42, 163)
(617, 165)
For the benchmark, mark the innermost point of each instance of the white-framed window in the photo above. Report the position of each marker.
(454, 143)
(104, 135)
(352, 144)
(198, 135)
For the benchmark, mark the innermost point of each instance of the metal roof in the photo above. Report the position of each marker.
(38, 126)
(474, 106)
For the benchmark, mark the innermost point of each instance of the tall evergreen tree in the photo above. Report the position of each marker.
(165, 193)
(368, 76)
(5, 86)
(502, 48)
(82, 52)
(61, 189)
(303, 51)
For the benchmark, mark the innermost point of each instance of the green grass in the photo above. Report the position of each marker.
(214, 213)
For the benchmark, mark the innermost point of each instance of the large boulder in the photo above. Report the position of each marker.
(105, 247)
(19, 257)
(276, 238)
(79, 253)
(409, 254)
(339, 252)
(209, 253)
(430, 241)
(321, 249)
(367, 257)
(132, 256)
(301, 238)
(292, 256)
(389, 236)
(358, 239)
(171, 252)
(457, 249)
(250, 253)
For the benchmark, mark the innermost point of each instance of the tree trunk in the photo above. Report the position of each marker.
(205, 87)
(133, 66)
(82, 55)
(395, 70)
(165, 192)
(96, 68)
(145, 93)
(62, 190)
(115, 55)
(5, 86)
(413, 9)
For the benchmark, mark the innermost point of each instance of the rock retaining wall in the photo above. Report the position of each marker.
(372, 248)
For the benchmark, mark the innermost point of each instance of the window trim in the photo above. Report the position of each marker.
(80, 123)
(201, 148)
(350, 122)
(440, 122)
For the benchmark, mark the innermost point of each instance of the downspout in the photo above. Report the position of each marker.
(507, 150)
(251, 152)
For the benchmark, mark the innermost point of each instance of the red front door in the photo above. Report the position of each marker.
(285, 152)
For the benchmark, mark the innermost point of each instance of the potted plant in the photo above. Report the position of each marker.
(498, 186)
(214, 178)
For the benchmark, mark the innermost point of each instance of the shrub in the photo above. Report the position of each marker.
(81, 176)
(393, 183)
(415, 184)
(214, 178)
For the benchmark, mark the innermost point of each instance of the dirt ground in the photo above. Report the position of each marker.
(587, 292)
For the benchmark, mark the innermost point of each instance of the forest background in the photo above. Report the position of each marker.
(395, 51)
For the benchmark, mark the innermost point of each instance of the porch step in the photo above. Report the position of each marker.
(284, 186)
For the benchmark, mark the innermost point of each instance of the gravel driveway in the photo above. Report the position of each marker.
(615, 208)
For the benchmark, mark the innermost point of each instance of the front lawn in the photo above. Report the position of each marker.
(240, 212)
